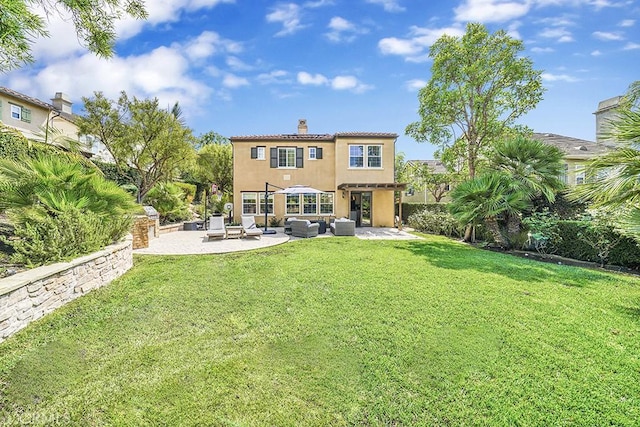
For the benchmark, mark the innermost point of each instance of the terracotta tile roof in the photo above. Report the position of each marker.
(574, 147)
(292, 136)
(313, 136)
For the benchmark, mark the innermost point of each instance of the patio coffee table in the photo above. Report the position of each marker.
(234, 231)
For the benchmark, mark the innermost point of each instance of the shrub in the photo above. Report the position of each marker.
(62, 237)
(60, 209)
(188, 190)
(168, 199)
(543, 234)
(436, 223)
(409, 209)
(576, 234)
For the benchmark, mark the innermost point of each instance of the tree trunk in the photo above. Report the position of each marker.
(468, 234)
(494, 229)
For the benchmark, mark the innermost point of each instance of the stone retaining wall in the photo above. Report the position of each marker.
(28, 296)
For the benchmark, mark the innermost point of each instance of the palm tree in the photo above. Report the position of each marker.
(486, 199)
(534, 168)
(614, 179)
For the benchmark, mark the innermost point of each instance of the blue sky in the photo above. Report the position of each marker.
(244, 67)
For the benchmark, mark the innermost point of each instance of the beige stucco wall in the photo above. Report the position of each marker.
(344, 174)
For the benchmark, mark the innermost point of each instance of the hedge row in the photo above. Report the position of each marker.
(625, 253)
(409, 209)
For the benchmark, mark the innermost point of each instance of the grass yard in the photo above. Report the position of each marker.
(333, 332)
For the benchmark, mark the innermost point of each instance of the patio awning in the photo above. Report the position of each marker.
(394, 186)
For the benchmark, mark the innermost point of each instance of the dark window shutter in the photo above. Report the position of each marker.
(274, 157)
(254, 152)
(318, 152)
(299, 155)
(0, 110)
(26, 115)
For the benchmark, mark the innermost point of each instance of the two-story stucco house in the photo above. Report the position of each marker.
(354, 172)
(36, 119)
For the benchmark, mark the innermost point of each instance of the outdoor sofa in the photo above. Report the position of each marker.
(343, 227)
(304, 228)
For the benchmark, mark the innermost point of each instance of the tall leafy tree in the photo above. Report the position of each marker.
(21, 22)
(480, 84)
(140, 135)
(438, 184)
(215, 166)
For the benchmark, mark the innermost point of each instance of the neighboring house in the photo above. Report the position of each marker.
(424, 195)
(577, 152)
(354, 172)
(38, 120)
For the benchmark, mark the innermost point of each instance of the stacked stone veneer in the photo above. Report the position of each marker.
(28, 296)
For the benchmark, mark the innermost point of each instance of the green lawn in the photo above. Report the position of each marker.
(335, 331)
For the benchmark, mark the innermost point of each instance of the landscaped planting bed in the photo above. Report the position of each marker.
(335, 332)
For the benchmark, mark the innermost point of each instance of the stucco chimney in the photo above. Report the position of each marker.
(607, 111)
(302, 126)
(62, 102)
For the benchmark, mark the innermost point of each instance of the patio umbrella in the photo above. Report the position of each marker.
(299, 189)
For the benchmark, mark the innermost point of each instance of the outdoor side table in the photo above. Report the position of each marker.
(234, 231)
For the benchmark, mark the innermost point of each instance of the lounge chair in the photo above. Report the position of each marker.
(250, 227)
(343, 227)
(216, 228)
(304, 228)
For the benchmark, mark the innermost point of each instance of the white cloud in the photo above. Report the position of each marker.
(558, 78)
(237, 64)
(314, 80)
(596, 53)
(232, 81)
(491, 10)
(289, 15)
(606, 36)
(627, 23)
(415, 48)
(274, 77)
(318, 3)
(631, 46)
(562, 35)
(207, 44)
(388, 5)
(542, 49)
(342, 30)
(415, 84)
(349, 83)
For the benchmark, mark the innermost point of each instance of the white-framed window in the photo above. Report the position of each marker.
(326, 204)
(269, 204)
(365, 156)
(309, 204)
(16, 112)
(564, 175)
(249, 203)
(580, 174)
(374, 156)
(312, 153)
(261, 153)
(286, 157)
(293, 204)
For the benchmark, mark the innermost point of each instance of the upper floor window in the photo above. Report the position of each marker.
(259, 153)
(312, 153)
(16, 112)
(580, 174)
(20, 113)
(365, 156)
(286, 157)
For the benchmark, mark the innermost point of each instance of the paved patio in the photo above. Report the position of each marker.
(195, 242)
